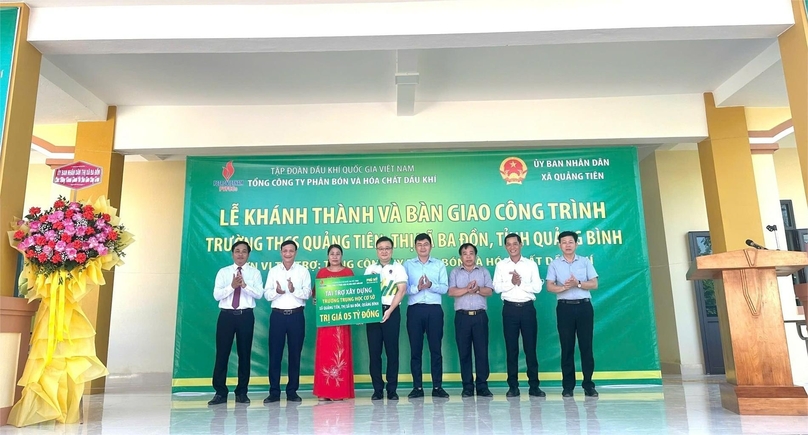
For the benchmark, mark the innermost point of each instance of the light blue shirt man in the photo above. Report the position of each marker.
(435, 271)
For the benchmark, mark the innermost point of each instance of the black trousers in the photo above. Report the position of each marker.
(241, 327)
(425, 318)
(572, 320)
(384, 335)
(291, 327)
(521, 320)
(471, 331)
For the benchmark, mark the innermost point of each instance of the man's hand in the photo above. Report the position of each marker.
(516, 279)
(278, 288)
(472, 287)
(237, 282)
(571, 282)
(387, 313)
(424, 283)
(290, 285)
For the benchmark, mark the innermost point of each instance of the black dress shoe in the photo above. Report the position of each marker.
(218, 399)
(485, 392)
(566, 393)
(512, 392)
(416, 393)
(242, 398)
(591, 392)
(293, 397)
(440, 392)
(537, 392)
(377, 395)
(467, 393)
(392, 395)
(272, 399)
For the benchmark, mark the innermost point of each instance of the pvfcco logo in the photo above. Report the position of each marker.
(228, 185)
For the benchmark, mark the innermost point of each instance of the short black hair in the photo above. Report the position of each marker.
(572, 234)
(467, 245)
(385, 239)
(289, 242)
(335, 245)
(512, 235)
(240, 242)
(423, 236)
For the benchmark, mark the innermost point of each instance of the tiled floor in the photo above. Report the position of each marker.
(676, 407)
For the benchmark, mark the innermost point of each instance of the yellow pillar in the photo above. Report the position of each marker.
(94, 144)
(794, 54)
(730, 193)
(733, 213)
(16, 142)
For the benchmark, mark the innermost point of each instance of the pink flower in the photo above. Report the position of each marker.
(70, 229)
(50, 234)
(34, 225)
(47, 249)
(71, 253)
(26, 243)
(102, 250)
(60, 246)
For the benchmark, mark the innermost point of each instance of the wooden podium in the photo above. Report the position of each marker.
(752, 330)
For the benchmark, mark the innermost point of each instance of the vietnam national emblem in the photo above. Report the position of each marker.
(513, 170)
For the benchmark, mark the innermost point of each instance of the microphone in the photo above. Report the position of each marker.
(750, 242)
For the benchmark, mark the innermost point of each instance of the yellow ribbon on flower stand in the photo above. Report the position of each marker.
(62, 356)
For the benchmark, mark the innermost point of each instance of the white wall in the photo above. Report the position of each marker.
(144, 303)
(340, 128)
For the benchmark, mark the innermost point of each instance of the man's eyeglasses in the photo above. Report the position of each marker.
(384, 249)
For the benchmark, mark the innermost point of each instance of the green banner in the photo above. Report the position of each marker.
(457, 197)
(9, 16)
(350, 300)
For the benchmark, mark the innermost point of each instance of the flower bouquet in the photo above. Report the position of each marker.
(66, 248)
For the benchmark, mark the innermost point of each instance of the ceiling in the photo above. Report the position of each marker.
(461, 74)
(447, 71)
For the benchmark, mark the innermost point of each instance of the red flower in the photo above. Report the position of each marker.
(106, 217)
(88, 214)
(87, 208)
(18, 235)
(90, 231)
(66, 237)
(43, 219)
(30, 254)
(52, 244)
(81, 257)
(58, 225)
(113, 235)
(69, 214)
(57, 258)
(35, 210)
(42, 257)
(40, 240)
(77, 244)
(58, 204)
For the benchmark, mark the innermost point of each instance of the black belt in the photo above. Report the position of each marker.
(236, 312)
(573, 301)
(471, 312)
(288, 312)
(518, 304)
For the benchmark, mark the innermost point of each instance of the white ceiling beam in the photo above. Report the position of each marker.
(395, 25)
(406, 79)
(72, 88)
(757, 66)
